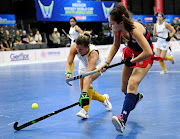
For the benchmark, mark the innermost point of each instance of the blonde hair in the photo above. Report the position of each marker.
(84, 39)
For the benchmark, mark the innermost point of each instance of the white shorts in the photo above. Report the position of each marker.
(83, 67)
(163, 45)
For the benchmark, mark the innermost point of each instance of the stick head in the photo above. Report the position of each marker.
(67, 81)
(15, 126)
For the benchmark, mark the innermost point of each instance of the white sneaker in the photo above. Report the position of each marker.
(106, 103)
(83, 113)
(164, 72)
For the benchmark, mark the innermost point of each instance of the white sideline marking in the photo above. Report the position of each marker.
(5, 116)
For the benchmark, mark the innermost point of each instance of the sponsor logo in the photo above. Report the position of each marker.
(19, 57)
(148, 19)
(107, 10)
(164, 46)
(46, 10)
(50, 54)
(44, 54)
(141, 62)
(80, 17)
(124, 112)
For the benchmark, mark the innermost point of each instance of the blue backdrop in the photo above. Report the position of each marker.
(152, 18)
(7, 19)
(84, 11)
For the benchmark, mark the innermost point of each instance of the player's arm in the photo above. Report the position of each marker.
(78, 29)
(92, 59)
(114, 48)
(143, 43)
(172, 30)
(154, 30)
(70, 60)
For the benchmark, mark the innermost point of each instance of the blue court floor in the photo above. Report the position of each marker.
(157, 116)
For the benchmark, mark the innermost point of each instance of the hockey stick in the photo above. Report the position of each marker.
(42, 118)
(90, 73)
(67, 34)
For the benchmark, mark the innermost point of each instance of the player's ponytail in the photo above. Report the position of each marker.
(120, 13)
(84, 39)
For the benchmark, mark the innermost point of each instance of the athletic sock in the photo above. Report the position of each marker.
(129, 103)
(162, 64)
(97, 96)
(168, 58)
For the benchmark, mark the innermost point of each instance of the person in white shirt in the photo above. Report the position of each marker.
(38, 37)
(75, 30)
(161, 31)
(56, 36)
(31, 38)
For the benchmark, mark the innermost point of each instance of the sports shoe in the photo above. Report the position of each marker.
(82, 113)
(119, 123)
(106, 103)
(172, 60)
(139, 98)
(164, 72)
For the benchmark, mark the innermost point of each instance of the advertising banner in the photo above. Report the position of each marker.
(158, 6)
(7, 19)
(145, 18)
(1, 57)
(83, 11)
(18, 56)
(124, 2)
(49, 54)
(153, 18)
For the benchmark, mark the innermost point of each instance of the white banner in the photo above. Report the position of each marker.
(104, 49)
(50, 54)
(1, 57)
(18, 56)
(58, 54)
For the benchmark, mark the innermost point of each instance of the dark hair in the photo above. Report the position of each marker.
(161, 15)
(120, 13)
(84, 39)
(73, 18)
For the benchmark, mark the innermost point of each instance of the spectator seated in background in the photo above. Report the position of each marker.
(31, 38)
(7, 35)
(56, 37)
(9, 40)
(17, 38)
(24, 37)
(1, 30)
(3, 44)
(38, 37)
(10, 43)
